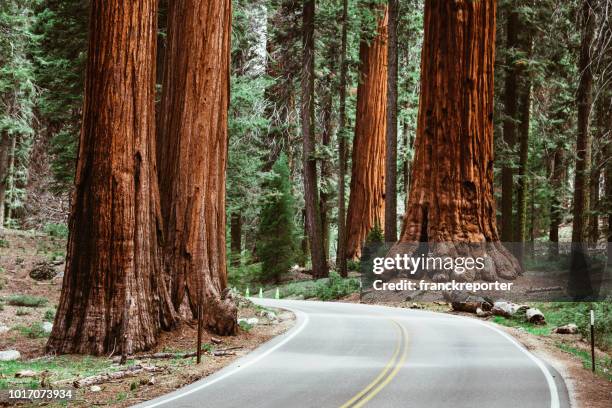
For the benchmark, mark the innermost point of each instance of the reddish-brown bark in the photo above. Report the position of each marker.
(113, 295)
(367, 198)
(451, 204)
(192, 141)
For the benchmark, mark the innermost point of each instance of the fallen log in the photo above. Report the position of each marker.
(535, 316)
(129, 372)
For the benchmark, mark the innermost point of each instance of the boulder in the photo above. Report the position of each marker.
(9, 355)
(95, 388)
(570, 328)
(43, 271)
(47, 327)
(4, 329)
(471, 304)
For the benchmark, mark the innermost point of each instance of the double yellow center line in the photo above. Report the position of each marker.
(386, 375)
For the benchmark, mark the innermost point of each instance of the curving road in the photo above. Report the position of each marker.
(352, 355)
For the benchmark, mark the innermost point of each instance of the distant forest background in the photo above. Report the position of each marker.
(552, 120)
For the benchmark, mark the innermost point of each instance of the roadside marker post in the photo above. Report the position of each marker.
(247, 292)
(260, 293)
(277, 294)
(592, 340)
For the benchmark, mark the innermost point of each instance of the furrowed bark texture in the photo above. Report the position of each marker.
(391, 138)
(113, 297)
(314, 227)
(451, 204)
(367, 198)
(584, 99)
(192, 142)
(5, 147)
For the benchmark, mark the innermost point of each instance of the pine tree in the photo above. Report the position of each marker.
(276, 243)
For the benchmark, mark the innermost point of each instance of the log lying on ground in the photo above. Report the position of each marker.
(535, 316)
(507, 309)
(217, 353)
(471, 304)
(567, 329)
(129, 372)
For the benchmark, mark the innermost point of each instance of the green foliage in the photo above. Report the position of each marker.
(60, 65)
(245, 326)
(331, 288)
(244, 275)
(276, 246)
(56, 230)
(27, 301)
(33, 331)
(4, 243)
(336, 287)
(375, 236)
(603, 365)
(49, 315)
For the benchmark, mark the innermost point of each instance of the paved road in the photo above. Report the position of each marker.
(351, 355)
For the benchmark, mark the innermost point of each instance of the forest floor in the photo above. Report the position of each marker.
(27, 308)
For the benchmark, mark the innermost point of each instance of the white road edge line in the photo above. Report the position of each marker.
(552, 387)
(296, 330)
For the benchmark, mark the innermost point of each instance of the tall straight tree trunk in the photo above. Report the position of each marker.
(5, 147)
(608, 189)
(326, 170)
(451, 205)
(367, 199)
(523, 136)
(311, 191)
(555, 205)
(192, 141)
(584, 100)
(593, 228)
(236, 237)
(509, 127)
(342, 148)
(113, 295)
(391, 137)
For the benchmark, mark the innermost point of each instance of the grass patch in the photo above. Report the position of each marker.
(603, 366)
(4, 243)
(49, 315)
(60, 368)
(22, 312)
(27, 301)
(33, 331)
(561, 313)
(331, 288)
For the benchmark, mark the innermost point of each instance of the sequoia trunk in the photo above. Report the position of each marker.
(192, 142)
(113, 295)
(367, 199)
(451, 200)
(391, 137)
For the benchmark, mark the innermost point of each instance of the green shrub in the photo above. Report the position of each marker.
(4, 243)
(276, 242)
(56, 230)
(245, 326)
(244, 275)
(336, 287)
(49, 315)
(26, 301)
(353, 265)
(33, 331)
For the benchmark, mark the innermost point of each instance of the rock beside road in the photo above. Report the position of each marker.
(47, 327)
(10, 355)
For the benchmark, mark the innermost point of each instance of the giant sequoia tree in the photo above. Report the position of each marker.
(367, 198)
(113, 294)
(192, 151)
(451, 204)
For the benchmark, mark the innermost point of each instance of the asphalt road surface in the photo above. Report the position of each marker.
(352, 355)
